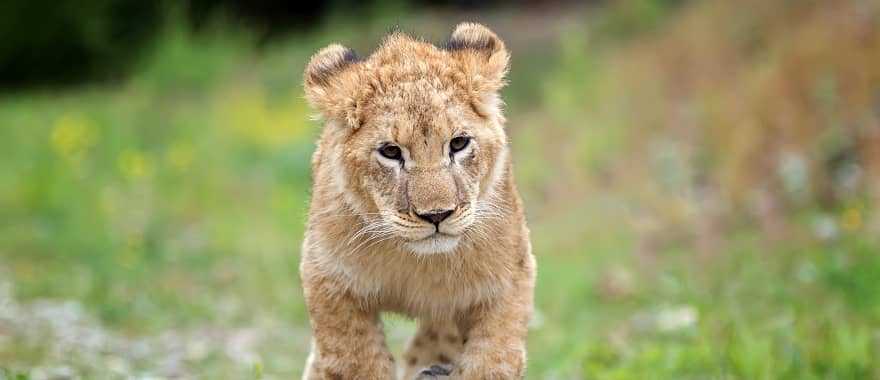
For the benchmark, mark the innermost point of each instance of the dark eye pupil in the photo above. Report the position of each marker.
(458, 143)
(390, 151)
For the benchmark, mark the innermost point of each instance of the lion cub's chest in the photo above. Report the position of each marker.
(425, 287)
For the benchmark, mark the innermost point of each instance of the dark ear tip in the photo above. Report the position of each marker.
(328, 61)
(469, 35)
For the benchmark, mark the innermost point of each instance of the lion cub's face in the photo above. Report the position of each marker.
(425, 162)
(419, 135)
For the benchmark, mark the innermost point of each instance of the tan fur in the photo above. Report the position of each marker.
(469, 280)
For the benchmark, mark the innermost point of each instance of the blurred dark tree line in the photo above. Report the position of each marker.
(70, 41)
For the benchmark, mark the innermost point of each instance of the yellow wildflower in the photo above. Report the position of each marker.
(134, 164)
(72, 136)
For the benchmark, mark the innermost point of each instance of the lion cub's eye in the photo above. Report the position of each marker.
(459, 143)
(391, 152)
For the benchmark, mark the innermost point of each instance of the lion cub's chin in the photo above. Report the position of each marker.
(437, 243)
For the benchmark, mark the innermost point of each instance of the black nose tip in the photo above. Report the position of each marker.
(436, 217)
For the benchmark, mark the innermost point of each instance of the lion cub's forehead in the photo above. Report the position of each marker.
(417, 118)
(416, 96)
(409, 75)
(406, 70)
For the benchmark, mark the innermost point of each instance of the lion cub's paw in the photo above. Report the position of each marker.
(435, 372)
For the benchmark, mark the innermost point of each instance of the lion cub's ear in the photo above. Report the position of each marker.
(484, 59)
(331, 83)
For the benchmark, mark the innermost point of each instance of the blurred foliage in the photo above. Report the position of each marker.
(701, 179)
(61, 41)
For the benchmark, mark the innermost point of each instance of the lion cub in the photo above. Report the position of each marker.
(414, 211)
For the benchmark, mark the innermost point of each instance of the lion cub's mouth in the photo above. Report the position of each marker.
(435, 243)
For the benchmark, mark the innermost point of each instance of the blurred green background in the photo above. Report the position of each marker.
(702, 180)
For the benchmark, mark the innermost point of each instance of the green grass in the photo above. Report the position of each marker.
(171, 207)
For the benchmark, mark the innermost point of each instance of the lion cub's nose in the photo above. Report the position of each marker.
(435, 216)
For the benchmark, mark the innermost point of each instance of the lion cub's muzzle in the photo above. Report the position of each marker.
(441, 232)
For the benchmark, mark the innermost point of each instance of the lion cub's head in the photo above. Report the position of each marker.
(414, 134)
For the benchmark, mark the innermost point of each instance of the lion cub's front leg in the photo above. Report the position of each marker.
(348, 340)
(496, 339)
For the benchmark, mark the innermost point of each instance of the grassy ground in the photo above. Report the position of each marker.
(151, 227)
